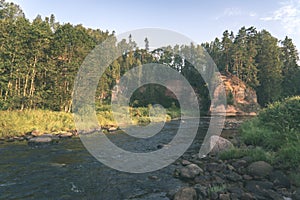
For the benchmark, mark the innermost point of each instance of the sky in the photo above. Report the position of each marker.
(200, 20)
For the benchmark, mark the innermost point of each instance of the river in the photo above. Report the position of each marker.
(66, 170)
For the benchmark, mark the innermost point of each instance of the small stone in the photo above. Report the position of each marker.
(271, 194)
(213, 167)
(171, 193)
(28, 137)
(232, 176)
(65, 135)
(247, 196)
(36, 133)
(112, 129)
(234, 196)
(10, 140)
(260, 168)
(240, 163)
(190, 171)
(185, 162)
(247, 177)
(230, 167)
(224, 196)
(237, 191)
(296, 195)
(186, 193)
(153, 177)
(201, 191)
(219, 180)
(21, 138)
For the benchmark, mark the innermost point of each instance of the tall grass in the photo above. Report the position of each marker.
(18, 123)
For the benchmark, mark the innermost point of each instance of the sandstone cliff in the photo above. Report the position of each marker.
(241, 99)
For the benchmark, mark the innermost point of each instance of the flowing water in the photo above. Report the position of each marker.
(67, 171)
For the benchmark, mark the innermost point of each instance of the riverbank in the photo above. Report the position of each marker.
(261, 162)
(216, 178)
(22, 123)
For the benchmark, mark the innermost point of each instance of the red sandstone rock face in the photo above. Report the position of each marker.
(244, 99)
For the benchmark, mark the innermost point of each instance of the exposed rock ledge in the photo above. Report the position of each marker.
(241, 99)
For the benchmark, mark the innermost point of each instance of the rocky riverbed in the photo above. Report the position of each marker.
(212, 178)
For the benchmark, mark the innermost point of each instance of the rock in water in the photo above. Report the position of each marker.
(112, 129)
(65, 135)
(186, 193)
(40, 140)
(36, 133)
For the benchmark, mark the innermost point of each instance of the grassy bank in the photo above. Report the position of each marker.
(17, 123)
(274, 135)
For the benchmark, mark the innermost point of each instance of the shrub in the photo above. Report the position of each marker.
(282, 116)
(256, 154)
(277, 129)
(289, 155)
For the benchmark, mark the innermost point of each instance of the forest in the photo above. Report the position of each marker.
(39, 60)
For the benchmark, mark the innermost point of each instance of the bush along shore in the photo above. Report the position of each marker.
(40, 125)
(262, 161)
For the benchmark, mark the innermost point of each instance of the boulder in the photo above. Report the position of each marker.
(39, 140)
(280, 179)
(261, 190)
(260, 168)
(186, 193)
(190, 171)
(218, 144)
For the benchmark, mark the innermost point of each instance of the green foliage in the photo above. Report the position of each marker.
(17, 123)
(277, 129)
(40, 59)
(257, 59)
(20, 122)
(173, 111)
(295, 178)
(289, 155)
(217, 188)
(283, 116)
(255, 154)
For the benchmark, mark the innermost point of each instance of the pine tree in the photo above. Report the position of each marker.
(290, 70)
(270, 68)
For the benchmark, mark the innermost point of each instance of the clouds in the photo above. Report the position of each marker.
(232, 12)
(288, 15)
(235, 12)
